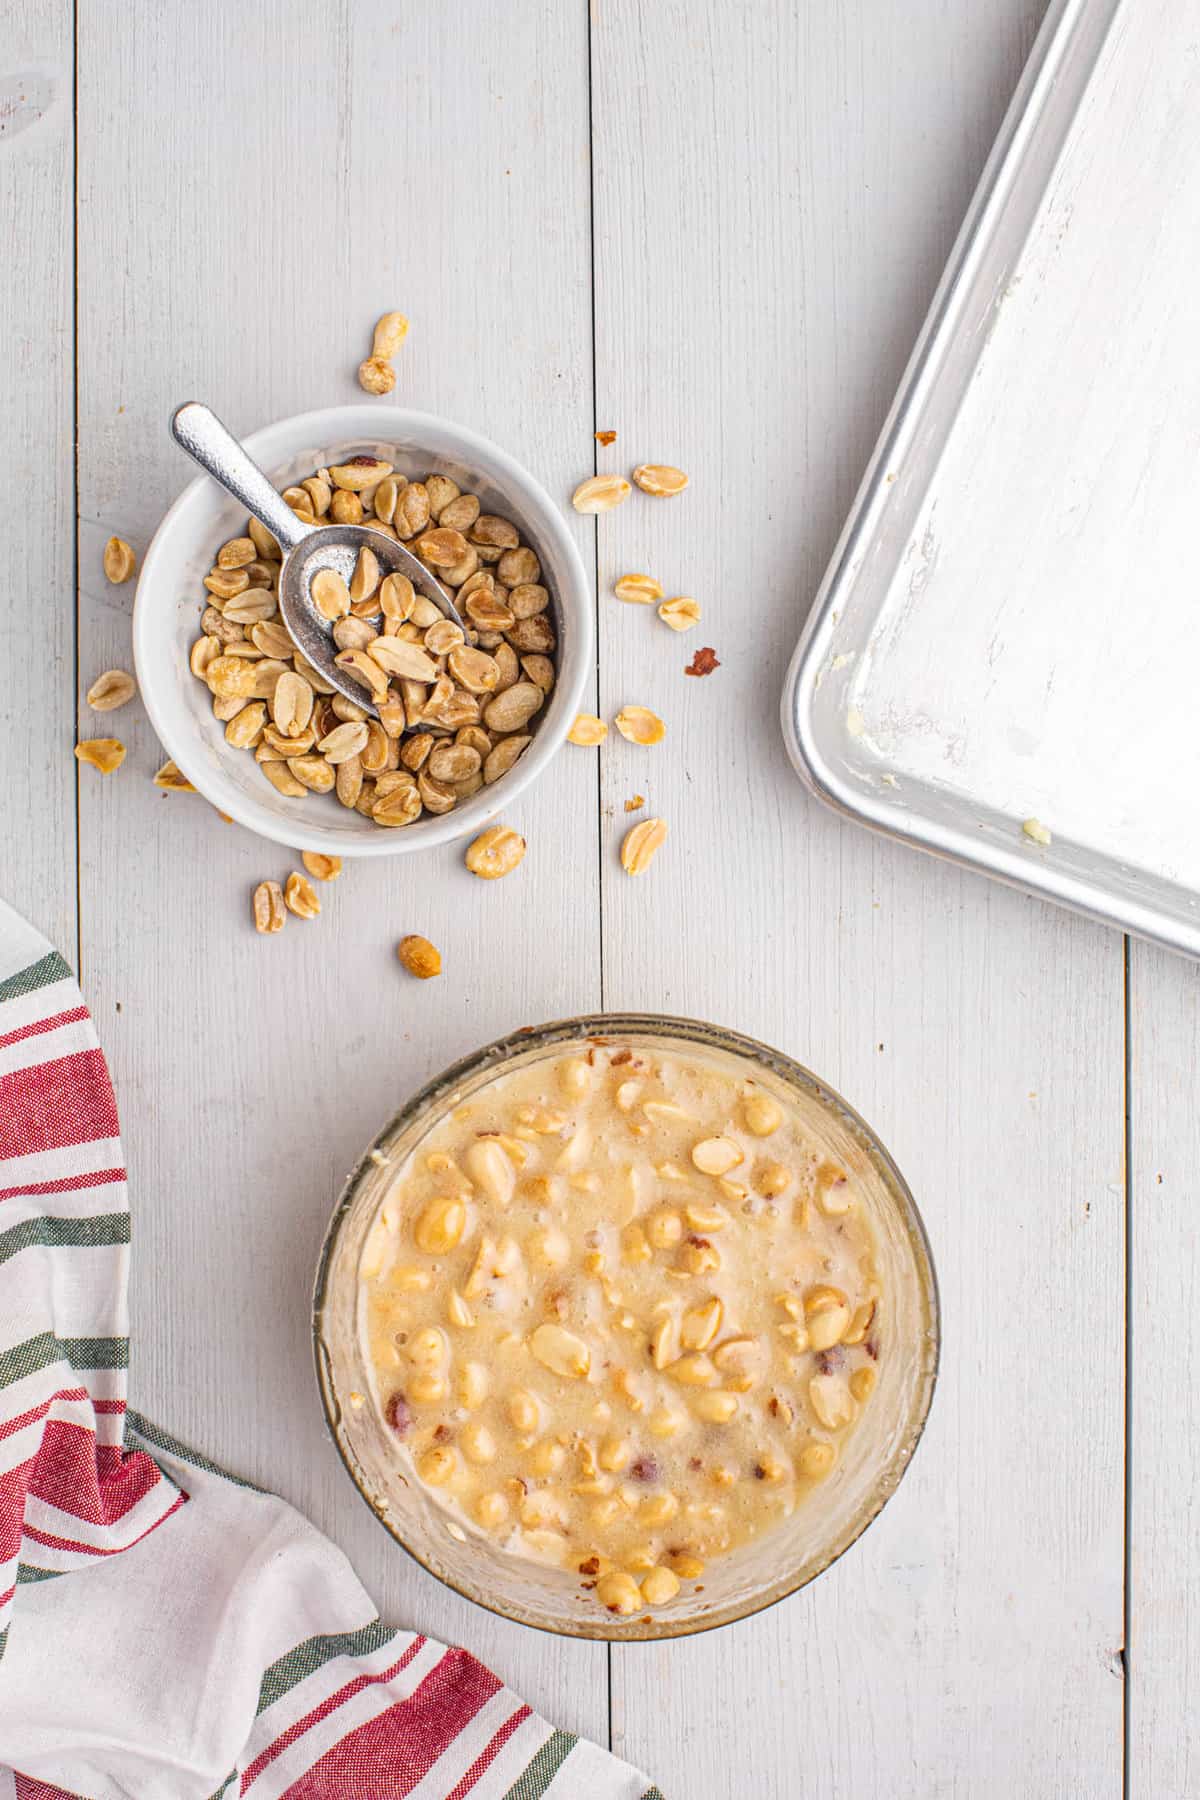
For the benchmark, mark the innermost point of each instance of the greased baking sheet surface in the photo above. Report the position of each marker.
(1010, 628)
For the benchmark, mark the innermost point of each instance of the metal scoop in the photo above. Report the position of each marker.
(306, 548)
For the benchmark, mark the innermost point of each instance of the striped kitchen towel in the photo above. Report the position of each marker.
(206, 1641)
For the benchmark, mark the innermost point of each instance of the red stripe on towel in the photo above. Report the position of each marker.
(65, 1184)
(8, 1426)
(392, 1752)
(52, 1542)
(56, 1104)
(297, 1730)
(97, 1483)
(28, 1789)
(39, 1026)
(489, 1753)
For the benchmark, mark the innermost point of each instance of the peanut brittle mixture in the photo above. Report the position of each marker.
(621, 1314)
(456, 706)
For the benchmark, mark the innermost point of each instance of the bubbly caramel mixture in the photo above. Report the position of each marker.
(620, 1314)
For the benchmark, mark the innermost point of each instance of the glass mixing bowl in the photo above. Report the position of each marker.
(826, 1521)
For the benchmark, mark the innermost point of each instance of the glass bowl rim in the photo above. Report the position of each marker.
(599, 1028)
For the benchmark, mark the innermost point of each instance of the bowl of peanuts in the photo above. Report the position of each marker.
(461, 718)
(626, 1326)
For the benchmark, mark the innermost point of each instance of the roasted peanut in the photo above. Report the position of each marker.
(495, 852)
(267, 901)
(639, 590)
(659, 479)
(440, 1226)
(600, 493)
(680, 613)
(119, 561)
(420, 957)
(114, 688)
(640, 726)
(641, 845)
(105, 754)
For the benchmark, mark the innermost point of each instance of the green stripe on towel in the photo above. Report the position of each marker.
(545, 1766)
(171, 1446)
(54, 1234)
(82, 1353)
(38, 975)
(314, 1652)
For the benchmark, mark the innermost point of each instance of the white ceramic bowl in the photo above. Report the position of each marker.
(170, 593)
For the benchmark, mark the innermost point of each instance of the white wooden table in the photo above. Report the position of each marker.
(714, 226)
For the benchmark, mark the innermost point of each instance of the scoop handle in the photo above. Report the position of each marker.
(198, 430)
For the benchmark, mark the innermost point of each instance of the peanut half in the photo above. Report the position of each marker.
(376, 375)
(300, 896)
(600, 493)
(680, 613)
(587, 730)
(267, 907)
(105, 754)
(495, 852)
(119, 560)
(638, 590)
(640, 726)
(173, 778)
(112, 689)
(641, 845)
(321, 868)
(419, 957)
(659, 479)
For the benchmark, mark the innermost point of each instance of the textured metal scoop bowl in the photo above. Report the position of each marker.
(307, 548)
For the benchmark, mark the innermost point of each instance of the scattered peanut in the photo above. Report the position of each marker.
(600, 493)
(267, 901)
(105, 754)
(639, 590)
(659, 479)
(681, 613)
(641, 844)
(587, 730)
(119, 561)
(173, 778)
(300, 896)
(640, 726)
(419, 956)
(390, 332)
(495, 852)
(110, 690)
(376, 376)
(321, 868)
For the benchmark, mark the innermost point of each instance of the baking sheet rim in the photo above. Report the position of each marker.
(1014, 866)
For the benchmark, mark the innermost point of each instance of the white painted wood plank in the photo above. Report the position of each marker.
(1164, 1613)
(37, 611)
(775, 195)
(251, 199)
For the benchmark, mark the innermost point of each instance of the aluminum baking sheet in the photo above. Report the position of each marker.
(1010, 627)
